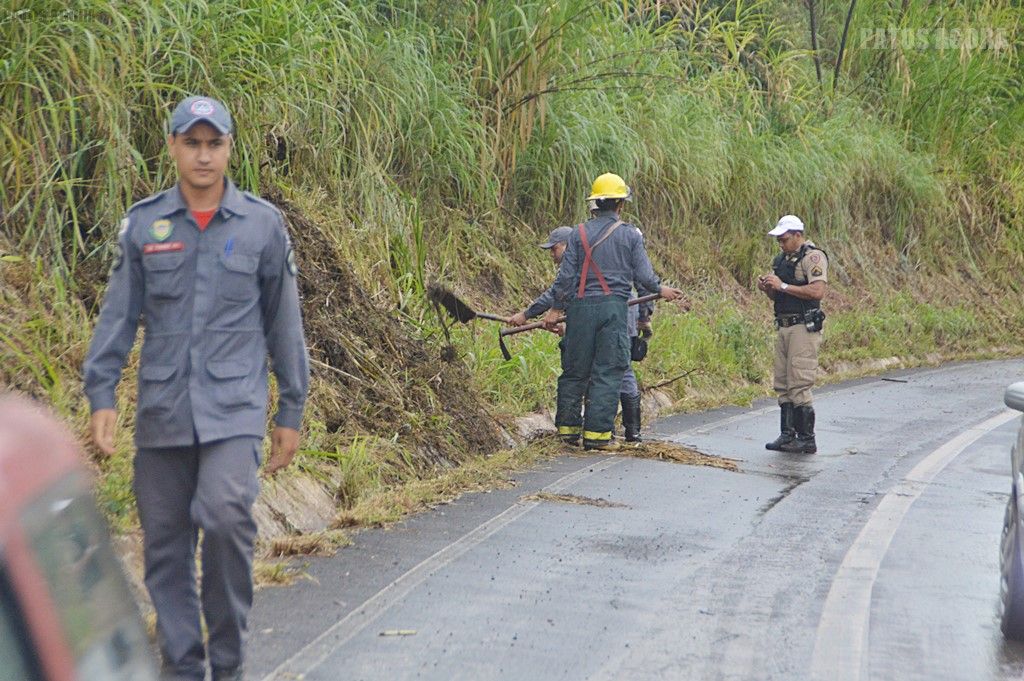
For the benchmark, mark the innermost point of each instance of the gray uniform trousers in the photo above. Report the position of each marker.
(179, 491)
(629, 385)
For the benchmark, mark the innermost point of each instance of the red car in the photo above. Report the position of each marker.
(66, 611)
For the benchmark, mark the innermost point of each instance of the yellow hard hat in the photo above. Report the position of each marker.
(610, 186)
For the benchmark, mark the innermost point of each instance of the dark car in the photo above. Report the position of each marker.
(66, 611)
(1011, 560)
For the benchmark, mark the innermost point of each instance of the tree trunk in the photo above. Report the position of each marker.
(814, 40)
(842, 45)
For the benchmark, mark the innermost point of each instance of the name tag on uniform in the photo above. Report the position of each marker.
(166, 247)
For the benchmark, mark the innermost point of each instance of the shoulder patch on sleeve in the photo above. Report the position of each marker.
(816, 271)
(116, 256)
(293, 269)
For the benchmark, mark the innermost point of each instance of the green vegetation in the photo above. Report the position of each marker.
(419, 140)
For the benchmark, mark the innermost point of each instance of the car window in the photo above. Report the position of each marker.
(16, 664)
(95, 605)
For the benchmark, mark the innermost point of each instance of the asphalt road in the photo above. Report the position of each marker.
(876, 558)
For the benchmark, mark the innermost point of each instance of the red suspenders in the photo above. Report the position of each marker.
(588, 260)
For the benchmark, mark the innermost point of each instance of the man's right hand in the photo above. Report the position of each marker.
(669, 293)
(518, 319)
(103, 428)
(552, 318)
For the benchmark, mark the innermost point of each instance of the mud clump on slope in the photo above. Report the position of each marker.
(377, 376)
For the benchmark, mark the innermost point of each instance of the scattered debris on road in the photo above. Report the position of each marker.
(572, 499)
(670, 451)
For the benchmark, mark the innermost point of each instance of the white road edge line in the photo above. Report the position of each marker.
(842, 638)
(342, 631)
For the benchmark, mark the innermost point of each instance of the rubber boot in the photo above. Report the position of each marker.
(630, 416)
(803, 419)
(786, 429)
(601, 445)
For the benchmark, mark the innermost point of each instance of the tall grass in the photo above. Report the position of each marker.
(432, 139)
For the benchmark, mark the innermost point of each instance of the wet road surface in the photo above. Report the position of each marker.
(876, 558)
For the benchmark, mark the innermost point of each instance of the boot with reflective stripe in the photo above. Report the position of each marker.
(630, 416)
(570, 435)
(788, 432)
(599, 441)
(803, 443)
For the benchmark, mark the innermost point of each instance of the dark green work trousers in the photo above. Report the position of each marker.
(595, 355)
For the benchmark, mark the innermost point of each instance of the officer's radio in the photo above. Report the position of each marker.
(814, 319)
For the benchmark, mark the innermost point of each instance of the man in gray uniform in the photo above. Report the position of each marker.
(638, 318)
(603, 261)
(211, 272)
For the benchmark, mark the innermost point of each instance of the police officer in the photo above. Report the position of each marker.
(638, 320)
(796, 285)
(211, 272)
(603, 260)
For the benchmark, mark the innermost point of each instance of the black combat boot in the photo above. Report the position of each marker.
(630, 416)
(786, 429)
(803, 418)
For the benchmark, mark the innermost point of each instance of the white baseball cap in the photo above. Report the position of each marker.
(787, 223)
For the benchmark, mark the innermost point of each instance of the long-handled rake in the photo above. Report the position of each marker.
(461, 312)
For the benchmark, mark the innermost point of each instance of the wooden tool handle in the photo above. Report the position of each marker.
(536, 325)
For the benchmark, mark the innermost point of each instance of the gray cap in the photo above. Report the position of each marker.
(200, 110)
(559, 235)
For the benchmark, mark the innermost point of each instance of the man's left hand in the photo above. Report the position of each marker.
(284, 442)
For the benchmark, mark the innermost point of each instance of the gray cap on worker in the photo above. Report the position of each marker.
(558, 235)
(197, 109)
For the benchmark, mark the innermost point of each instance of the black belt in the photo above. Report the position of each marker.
(784, 320)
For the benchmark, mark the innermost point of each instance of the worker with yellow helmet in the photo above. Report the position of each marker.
(604, 259)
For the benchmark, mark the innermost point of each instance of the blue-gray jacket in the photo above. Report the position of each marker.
(213, 303)
(636, 312)
(622, 259)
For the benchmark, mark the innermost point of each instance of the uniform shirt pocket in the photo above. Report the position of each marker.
(165, 275)
(231, 387)
(238, 277)
(155, 387)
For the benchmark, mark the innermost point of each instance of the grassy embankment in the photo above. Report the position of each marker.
(441, 140)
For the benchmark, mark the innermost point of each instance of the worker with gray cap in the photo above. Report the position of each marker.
(638, 328)
(212, 272)
(556, 246)
(796, 286)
